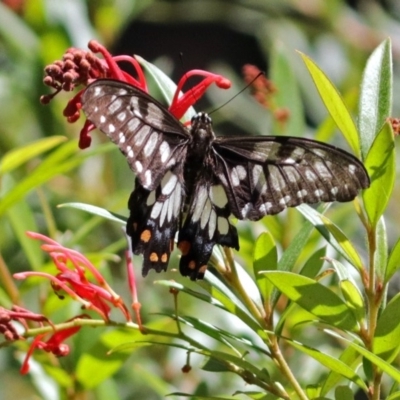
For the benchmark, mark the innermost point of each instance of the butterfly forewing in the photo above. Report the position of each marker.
(149, 136)
(263, 176)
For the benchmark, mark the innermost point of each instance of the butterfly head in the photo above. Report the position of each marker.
(201, 128)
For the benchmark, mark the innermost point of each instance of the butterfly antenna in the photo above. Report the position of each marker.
(237, 94)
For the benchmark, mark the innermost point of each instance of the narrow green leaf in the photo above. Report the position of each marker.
(334, 104)
(316, 219)
(387, 334)
(380, 165)
(288, 94)
(351, 358)
(394, 261)
(21, 219)
(314, 264)
(315, 298)
(333, 364)
(101, 212)
(381, 252)
(265, 259)
(379, 362)
(376, 95)
(394, 396)
(343, 241)
(14, 158)
(344, 393)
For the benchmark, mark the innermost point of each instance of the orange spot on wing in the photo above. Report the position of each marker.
(145, 235)
(153, 257)
(184, 247)
(192, 265)
(164, 258)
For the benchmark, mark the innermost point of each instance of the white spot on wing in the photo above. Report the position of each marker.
(235, 177)
(121, 116)
(102, 119)
(168, 183)
(319, 192)
(241, 172)
(285, 200)
(147, 178)
(139, 166)
(199, 203)
(164, 151)
(223, 225)
(98, 91)
(212, 223)
(335, 190)
(301, 193)
(246, 209)
(155, 211)
(129, 152)
(352, 168)
(265, 207)
(111, 128)
(121, 137)
(133, 124)
(143, 133)
(151, 144)
(218, 196)
(115, 105)
(205, 215)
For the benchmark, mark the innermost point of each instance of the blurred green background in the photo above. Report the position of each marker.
(220, 36)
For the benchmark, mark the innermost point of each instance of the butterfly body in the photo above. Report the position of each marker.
(190, 181)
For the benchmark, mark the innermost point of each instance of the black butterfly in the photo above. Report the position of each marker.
(191, 181)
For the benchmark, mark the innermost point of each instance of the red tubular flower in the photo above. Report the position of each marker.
(53, 345)
(79, 67)
(72, 279)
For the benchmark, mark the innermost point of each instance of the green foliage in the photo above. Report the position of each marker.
(301, 312)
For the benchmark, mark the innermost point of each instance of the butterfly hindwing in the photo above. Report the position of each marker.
(149, 136)
(154, 219)
(263, 176)
(206, 224)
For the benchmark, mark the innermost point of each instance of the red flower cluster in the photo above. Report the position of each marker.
(72, 280)
(79, 67)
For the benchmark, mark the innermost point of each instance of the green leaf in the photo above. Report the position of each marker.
(334, 104)
(334, 236)
(333, 364)
(387, 334)
(344, 242)
(314, 264)
(265, 259)
(14, 158)
(101, 212)
(315, 298)
(394, 261)
(351, 358)
(376, 95)
(344, 393)
(379, 362)
(288, 95)
(381, 251)
(380, 165)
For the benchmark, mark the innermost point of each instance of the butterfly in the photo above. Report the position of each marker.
(190, 181)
